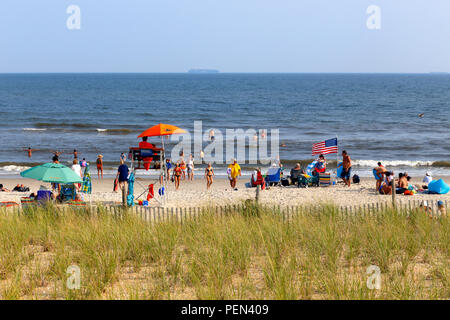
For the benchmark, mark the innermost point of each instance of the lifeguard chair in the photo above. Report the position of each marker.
(145, 159)
(145, 156)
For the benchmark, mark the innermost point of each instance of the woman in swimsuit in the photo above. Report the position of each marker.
(176, 175)
(209, 173)
(183, 168)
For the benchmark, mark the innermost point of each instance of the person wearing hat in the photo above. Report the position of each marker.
(427, 179)
(100, 166)
(235, 172)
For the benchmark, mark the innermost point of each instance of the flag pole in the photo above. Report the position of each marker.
(337, 158)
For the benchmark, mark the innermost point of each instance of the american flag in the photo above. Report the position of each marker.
(325, 147)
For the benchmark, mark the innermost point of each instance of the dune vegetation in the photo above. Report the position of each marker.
(250, 253)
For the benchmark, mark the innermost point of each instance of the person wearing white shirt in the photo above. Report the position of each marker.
(77, 169)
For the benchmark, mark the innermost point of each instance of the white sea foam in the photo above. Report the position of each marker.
(12, 169)
(101, 130)
(34, 129)
(392, 163)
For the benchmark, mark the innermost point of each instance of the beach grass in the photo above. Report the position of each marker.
(249, 253)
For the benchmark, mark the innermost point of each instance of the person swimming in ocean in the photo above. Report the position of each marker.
(30, 151)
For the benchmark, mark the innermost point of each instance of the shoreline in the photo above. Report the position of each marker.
(194, 193)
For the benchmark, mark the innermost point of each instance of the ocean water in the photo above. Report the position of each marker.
(374, 116)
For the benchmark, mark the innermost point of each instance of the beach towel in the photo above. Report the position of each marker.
(86, 187)
(130, 196)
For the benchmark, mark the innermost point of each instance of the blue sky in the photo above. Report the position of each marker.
(229, 35)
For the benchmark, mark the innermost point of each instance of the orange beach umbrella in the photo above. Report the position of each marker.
(161, 130)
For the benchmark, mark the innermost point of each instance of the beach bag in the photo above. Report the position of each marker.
(356, 179)
(116, 185)
(284, 182)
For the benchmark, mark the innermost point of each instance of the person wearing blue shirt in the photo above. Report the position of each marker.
(122, 174)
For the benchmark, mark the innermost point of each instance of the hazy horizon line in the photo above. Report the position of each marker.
(217, 73)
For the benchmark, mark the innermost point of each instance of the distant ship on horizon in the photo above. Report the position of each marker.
(203, 71)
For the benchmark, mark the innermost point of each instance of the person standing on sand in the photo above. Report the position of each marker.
(177, 175)
(235, 172)
(183, 168)
(77, 169)
(380, 171)
(190, 168)
(347, 168)
(209, 173)
(100, 165)
(122, 174)
(168, 169)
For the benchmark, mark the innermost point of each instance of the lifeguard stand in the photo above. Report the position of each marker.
(139, 157)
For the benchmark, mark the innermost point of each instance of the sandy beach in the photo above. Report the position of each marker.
(194, 193)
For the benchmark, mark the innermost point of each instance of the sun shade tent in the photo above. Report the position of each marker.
(161, 130)
(52, 173)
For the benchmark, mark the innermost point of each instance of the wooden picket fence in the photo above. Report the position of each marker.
(161, 214)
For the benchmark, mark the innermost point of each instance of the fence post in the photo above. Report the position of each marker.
(393, 192)
(124, 196)
(258, 188)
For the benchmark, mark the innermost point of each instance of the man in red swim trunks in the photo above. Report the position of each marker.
(146, 145)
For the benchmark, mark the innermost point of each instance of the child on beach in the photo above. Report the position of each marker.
(3, 189)
(168, 169)
(100, 165)
(347, 168)
(209, 173)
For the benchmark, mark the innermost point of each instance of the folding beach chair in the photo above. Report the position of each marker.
(67, 193)
(324, 179)
(273, 177)
(305, 182)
